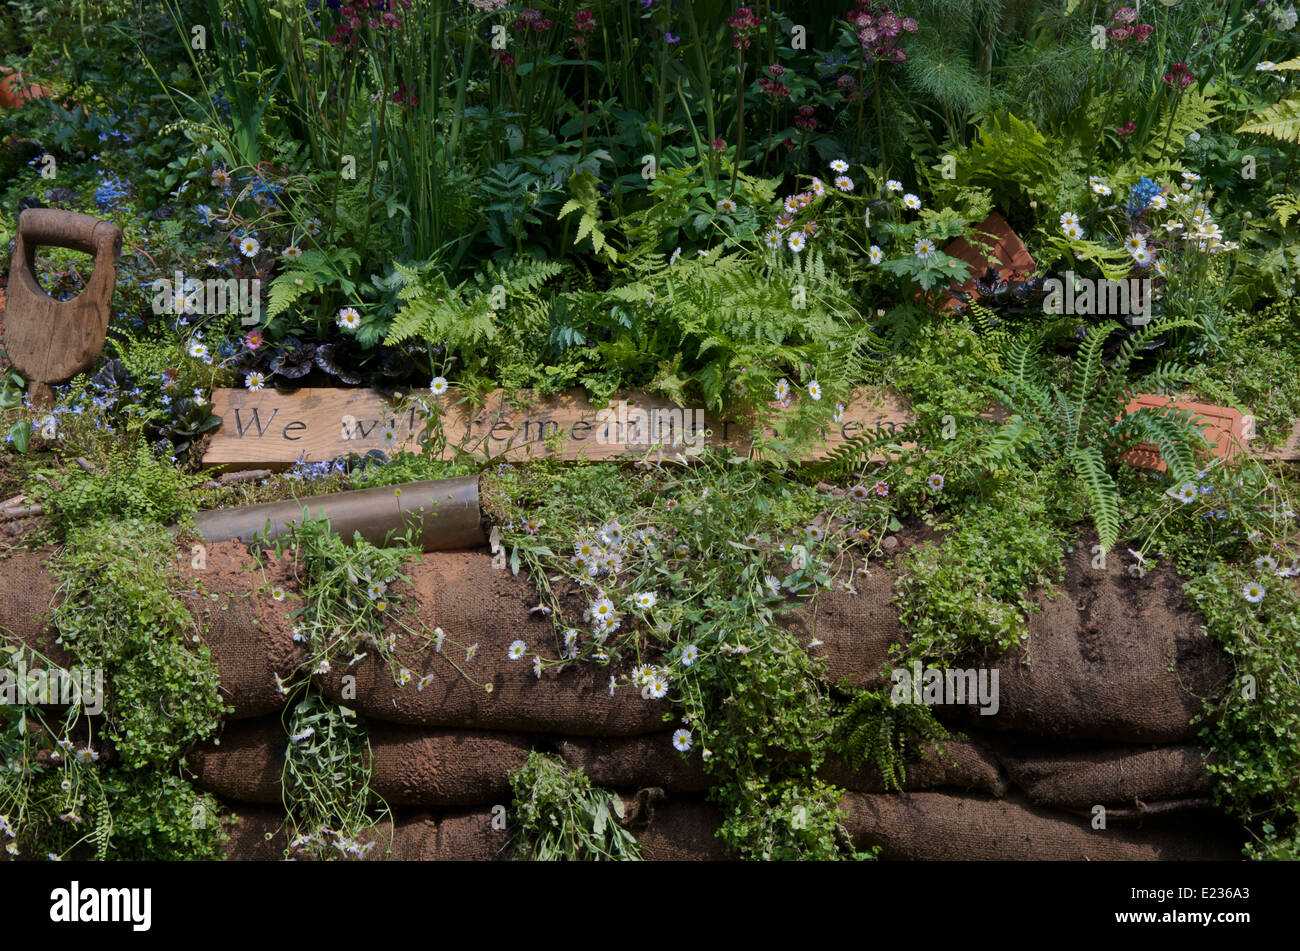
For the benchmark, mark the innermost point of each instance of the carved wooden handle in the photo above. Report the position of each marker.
(55, 228)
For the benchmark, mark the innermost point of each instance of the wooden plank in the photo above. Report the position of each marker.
(273, 430)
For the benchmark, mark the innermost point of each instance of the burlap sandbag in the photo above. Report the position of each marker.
(933, 826)
(1099, 653)
(420, 767)
(642, 761)
(257, 835)
(245, 763)
(1110, 658)
(681, 831)
(249, 633)
(635, 762)
(856, 630)
(959, 764)
(1070, 776)
(445, 767)
(475, 603)
(27, 602)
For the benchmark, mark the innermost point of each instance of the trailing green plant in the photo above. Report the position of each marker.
(1254, 728)
(62, 792)
(118, 611)
(972, 591)
(126, 484)
(872, 730)
(692, 565)
(559, 816)
(326, 782)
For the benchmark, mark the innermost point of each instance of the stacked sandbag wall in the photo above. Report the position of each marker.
(1094, 710)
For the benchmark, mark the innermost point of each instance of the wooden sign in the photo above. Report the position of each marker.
(51, 341)
(273, 430)
(1004, 251)
(1228, 430)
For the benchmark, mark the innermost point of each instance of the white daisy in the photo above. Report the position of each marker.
(893, 185)
(470, 652)
(254, 381)
(1143, 256)
(818, 188)
(1253, 592)
(1266, 563)
(1135, 241)
(875, 255)
(376, 590)
(844, 183)
(1068, 219)
(657, 687)
(1100, 188)
(438, 386)
(782, 389)
(773, 240)
(923, 248)
(198, 350)
(690, 654)
(815, 390)
(1073, 231)
(517, 649)
(911, 202)
(839, 166)
(726, 206)
(1159, 202)
(797, 241)
(293, 252)
(349, 318)
(682, 740)
(248, 246)
(935, 482)
(1184, 493)
(1191, 177)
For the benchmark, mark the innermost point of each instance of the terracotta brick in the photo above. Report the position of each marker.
(1228, 429)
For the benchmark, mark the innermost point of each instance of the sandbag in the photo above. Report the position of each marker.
(855, 630)
(636, 762)
(1111, 657)
(1096, 663)
(960, 764)
(1069, 776)
(249, 633)
(27, 603)
(935, 826)
(408, 766)
(445, 767)
(475, 603)
(245, 763)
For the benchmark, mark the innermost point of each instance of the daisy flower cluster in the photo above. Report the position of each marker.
(1192, 226)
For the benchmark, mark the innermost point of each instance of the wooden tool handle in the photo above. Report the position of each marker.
(55, 228)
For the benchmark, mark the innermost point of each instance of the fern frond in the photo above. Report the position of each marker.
(1103, 496)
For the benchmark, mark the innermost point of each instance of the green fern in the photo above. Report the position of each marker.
(1279, 121)
(873, 731)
